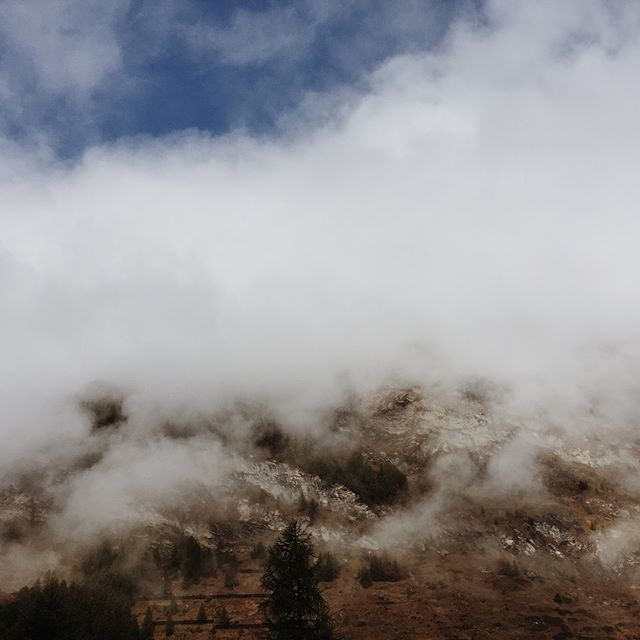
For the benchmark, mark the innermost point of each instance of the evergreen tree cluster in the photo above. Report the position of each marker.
(379, 568)
(269, 436)
(327, 567)
(308, 507)
(108, 566)
(56, 610)
(385, 484)
(228, 563)
(259, 551)
(191, 560)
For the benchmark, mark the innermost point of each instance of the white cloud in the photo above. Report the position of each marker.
(136, 480)
(257, 36)
(67, 46)
(53, 51)
(59, 46)
(353, 34)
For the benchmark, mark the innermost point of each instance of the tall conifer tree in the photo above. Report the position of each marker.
(294, 608)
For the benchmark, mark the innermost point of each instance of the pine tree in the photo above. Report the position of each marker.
(208, 564)
(259, 551)
(224, 619)
(167, 591)
(147, 625)
(170, 627)
(294, 608)
(328, 567)
(231, 577)
(202, 614)
(192, 568)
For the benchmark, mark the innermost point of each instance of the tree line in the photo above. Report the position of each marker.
(98, 606)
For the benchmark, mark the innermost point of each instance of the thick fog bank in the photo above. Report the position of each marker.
(465, 214)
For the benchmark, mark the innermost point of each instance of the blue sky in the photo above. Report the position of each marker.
(79, 73)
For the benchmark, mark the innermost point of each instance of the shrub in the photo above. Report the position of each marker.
(269, 436)
(308, 507)
(208, 567)
(364, 577)
(385, 569)
(583, 485)
(224, 619)
(327, 567)
(381, 568)
(147, 626)
(191, 561)
(226, 558)
(508, 568)
(259, 551)
(167, 591)
(105, 412)
(169, 628)
(231, 576)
